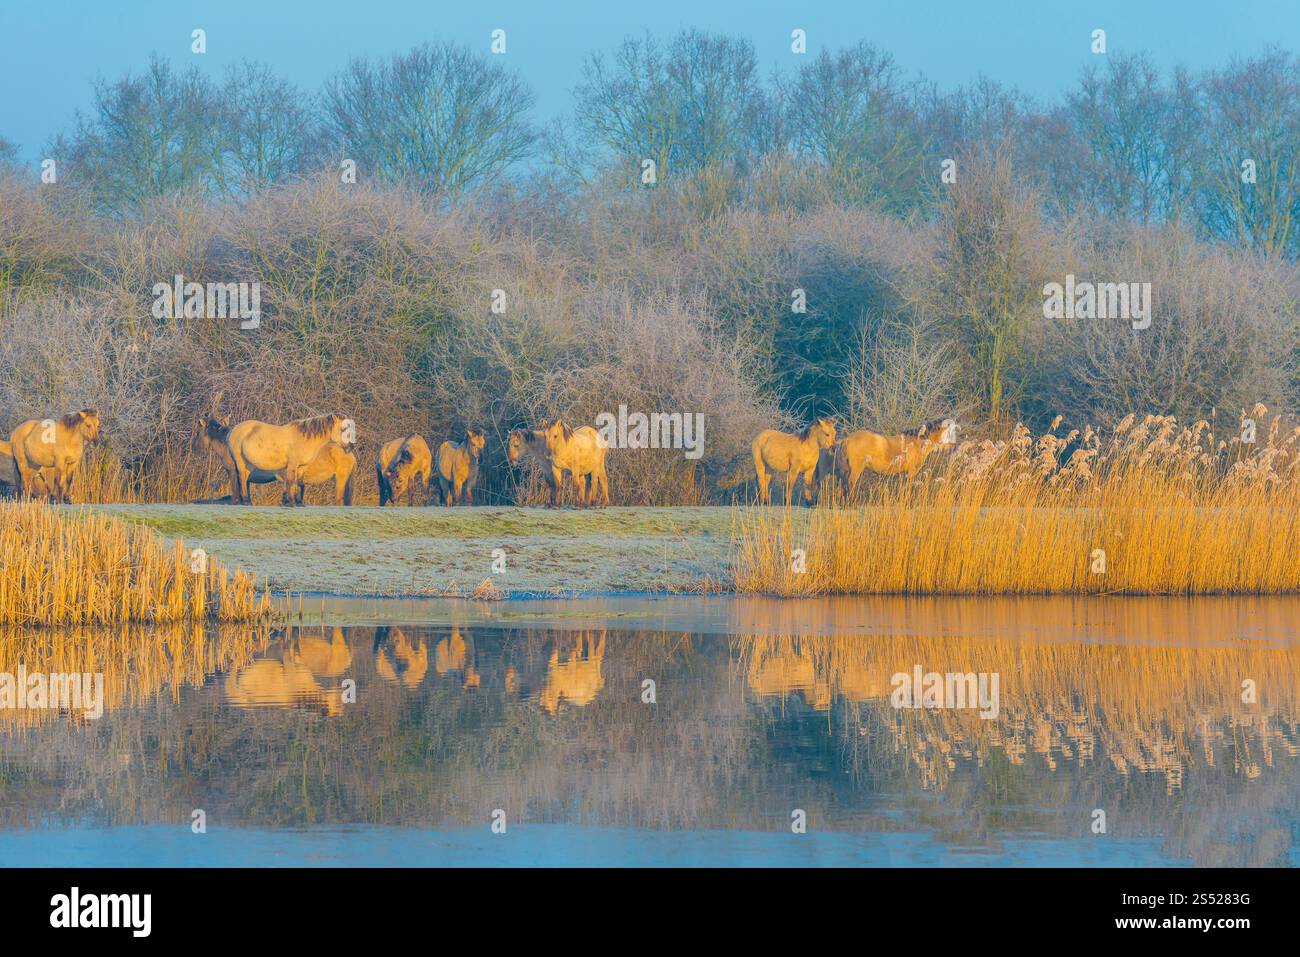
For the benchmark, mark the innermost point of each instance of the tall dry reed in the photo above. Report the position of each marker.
(63, 567)
(1152, 508)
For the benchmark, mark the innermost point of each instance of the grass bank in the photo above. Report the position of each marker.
(433, 551)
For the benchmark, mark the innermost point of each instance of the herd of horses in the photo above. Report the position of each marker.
(43, 455)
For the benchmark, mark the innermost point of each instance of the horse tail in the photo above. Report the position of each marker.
(385, 489)
(347, 487)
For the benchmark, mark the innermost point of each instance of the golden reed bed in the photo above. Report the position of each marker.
(1154, 508)
(75, 568)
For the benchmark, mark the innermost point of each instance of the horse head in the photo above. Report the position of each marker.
(557, 435)
(400, 471)
(87, 423)
(516, 443)
(823, 430)
(475, 442)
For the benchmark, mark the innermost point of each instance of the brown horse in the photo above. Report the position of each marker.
(580, 452)
(458, 468)
(795, 455)
(332, 463)
(9, 474)
(890, 454)
(525, 444)
(283, 450)
(58, 446)
(401, 464)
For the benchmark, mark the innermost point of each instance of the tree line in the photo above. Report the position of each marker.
(796, 250)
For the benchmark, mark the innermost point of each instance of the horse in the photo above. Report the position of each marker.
(891, 454)
(53, 448)
(458, 468)
(401, 464)
(794, 455)
(332, 462)
(284, 450)
(9, 474)
(530, 444)
(580, 452)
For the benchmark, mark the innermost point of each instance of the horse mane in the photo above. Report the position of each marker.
(807, 430)
(925, 428)
(316, 427)
(74, 419)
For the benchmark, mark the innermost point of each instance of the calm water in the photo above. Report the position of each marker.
(674, 732)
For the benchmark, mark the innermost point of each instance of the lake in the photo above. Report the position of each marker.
(671, 731)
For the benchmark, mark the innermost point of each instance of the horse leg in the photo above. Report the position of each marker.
(791, 476)
(26, 487)
(68, 478)
(385, 490)
(764, 480)
(854, 475)
(557, 477)
(810, 485)
(290, 481)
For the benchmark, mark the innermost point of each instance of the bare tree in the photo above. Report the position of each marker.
(850, 111)
(147, 136)
(439, 117)
(1135, 138)
(985, 280)
(697, 105)
(272, 130)
(1250, 193)
(8, 154)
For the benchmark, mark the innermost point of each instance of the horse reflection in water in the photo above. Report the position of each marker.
(398, 660)
(788, 669)
(291, 679)
(578, 678)
(452, 656)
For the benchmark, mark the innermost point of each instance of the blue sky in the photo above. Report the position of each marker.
(52, 50)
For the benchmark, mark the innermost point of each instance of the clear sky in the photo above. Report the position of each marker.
(52, 50)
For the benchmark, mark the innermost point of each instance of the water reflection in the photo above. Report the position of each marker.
(398, 660)
(1181, 724)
